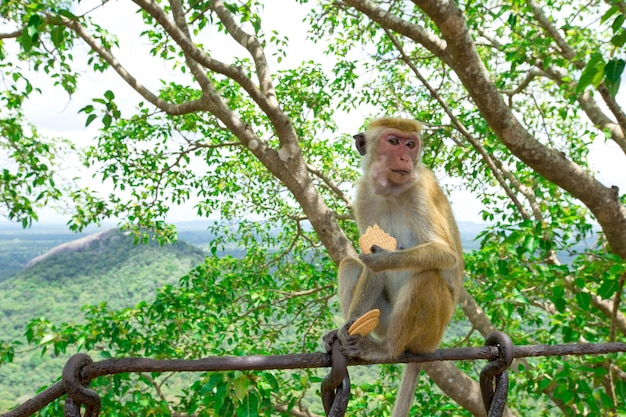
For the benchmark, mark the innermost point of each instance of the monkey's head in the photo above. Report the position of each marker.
(391, 149)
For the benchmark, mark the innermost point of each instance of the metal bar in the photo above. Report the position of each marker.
(297, 361)
(35, 404)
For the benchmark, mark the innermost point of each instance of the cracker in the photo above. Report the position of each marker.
(365, 324)
(374, 235)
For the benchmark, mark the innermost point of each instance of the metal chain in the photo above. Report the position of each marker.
(76, 388)
(336, 386)
(494, 377)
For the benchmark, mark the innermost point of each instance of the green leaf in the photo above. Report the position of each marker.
(241, 386)
(90, 119)
(216, 379)
(613, 70)
(584, 300)
(617, 23)
(26, 40)
(57, 35)
(107, 120)
(591, 70)
(612, 10)
(68, 14)
(249, 407)
(87, 109)
(613, 87)
(607, 288)
(619, 39)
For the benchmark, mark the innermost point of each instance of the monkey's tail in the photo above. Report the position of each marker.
(404, 400)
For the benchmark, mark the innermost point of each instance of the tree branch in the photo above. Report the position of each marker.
(196, 69)
(9, 35)
(460, 387)
(330, 184)
(174, 109)
(418, 33)
(251, 43)
(189, 48)
(570, 53)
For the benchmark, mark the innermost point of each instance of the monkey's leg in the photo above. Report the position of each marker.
(430, 303)
(350, 269)
(422, 308)
(421, 314)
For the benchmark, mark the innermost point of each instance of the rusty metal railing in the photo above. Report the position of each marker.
(499, 351)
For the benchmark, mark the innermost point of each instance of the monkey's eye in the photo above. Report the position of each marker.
(410, 145)
(393, 140)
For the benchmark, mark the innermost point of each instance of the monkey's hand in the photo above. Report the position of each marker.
(380, 259)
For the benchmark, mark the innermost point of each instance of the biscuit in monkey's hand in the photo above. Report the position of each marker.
(374, 235)
(365, 324)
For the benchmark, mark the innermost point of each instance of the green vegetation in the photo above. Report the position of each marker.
(111, 272)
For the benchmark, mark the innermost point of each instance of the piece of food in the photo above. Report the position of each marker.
(365, 324)
(374, 235)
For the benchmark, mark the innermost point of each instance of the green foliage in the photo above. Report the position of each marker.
(28, 183)
(241, 309)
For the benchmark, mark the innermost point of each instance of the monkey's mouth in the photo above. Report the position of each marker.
(400, 171)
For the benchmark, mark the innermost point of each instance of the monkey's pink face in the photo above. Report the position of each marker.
(400, 151)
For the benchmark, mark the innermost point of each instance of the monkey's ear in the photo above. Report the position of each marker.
(359, 141)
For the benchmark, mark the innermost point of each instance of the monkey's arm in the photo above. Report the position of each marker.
(427, 256)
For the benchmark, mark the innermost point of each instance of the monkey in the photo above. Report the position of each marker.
(416, 286)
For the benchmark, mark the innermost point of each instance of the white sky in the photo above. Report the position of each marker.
(55, 114)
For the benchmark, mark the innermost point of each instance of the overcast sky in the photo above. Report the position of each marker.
(56, 114)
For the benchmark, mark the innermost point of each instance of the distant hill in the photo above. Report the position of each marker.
(19, 246)
(102, 267)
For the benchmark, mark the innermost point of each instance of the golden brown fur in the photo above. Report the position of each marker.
(415, 286)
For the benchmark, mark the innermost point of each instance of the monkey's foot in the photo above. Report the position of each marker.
(351, 346)
(366, 348)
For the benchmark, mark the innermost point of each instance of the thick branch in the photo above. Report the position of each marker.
(9, 35)
(498, 170)
(462, 56)
(460, 387)
(475, 314)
